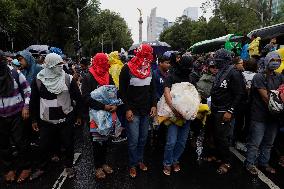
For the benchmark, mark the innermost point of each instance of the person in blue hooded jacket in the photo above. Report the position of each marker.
(29, 67)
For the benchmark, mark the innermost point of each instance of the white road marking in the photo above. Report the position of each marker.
(261, 176)
(62, 177)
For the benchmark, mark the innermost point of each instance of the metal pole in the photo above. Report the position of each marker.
(12, 44)
(111, 46)
(78, 22)
(102, 42)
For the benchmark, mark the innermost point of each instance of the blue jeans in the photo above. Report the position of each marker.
(260, 142)
(137, 132)
(176, 140)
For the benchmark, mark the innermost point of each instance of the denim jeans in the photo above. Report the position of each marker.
(175, 145)
(137, 132)
(260, 141)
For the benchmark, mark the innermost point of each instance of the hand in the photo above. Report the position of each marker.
(177, 114)
(76, 76)
(25, 113)
(227, 117)
(110, 108)
(113, 108)
(153, 112)
(129, 116)
(107, 107)
(78, 121)
(35, 127)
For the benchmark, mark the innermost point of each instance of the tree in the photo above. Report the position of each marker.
(111, 29)
(47, 21)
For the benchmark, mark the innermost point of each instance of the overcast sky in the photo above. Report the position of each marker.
(169, 9)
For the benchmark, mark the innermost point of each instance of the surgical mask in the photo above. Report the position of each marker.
(274, 65)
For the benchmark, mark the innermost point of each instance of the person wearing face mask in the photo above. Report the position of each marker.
(264, 124)
(138, 93)
(176, 135)
(227, 92)
(98, 76)
(53, 111)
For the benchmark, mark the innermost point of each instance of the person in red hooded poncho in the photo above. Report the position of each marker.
(98, 76)
(137, 91)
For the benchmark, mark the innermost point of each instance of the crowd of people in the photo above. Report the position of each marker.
(116, 97)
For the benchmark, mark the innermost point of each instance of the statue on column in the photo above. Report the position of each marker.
(140, 21)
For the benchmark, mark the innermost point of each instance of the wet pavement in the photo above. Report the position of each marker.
(194, 175)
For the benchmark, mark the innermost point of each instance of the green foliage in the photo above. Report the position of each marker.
(229, 16)
(47, 21)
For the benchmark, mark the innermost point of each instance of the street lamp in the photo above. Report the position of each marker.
(78, 19)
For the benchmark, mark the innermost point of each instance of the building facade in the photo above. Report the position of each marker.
(191, 12)
(276, 6)
(155, 25)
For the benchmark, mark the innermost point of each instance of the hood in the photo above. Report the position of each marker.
(269, 56)
(28, 57)
(114, 59)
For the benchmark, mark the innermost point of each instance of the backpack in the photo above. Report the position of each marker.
(16, 76)
(275, 104)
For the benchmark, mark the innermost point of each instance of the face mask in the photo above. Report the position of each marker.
(273, 65)
(58, 69)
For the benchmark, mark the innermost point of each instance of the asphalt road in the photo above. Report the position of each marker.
(194, 175)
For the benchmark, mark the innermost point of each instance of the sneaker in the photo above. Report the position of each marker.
(132, 172)
(167, 170)
(70, 172)
(176, 167)
(119, 139)
(142, 166)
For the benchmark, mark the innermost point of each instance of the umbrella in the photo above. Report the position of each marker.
(159, 47)
(238, 39)
(38, 49)
(269, 32)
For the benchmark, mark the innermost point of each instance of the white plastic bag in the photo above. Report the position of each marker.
(186, 101)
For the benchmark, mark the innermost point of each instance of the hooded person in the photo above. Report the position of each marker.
(227, 92)
(176, 135)
(29, 67)
(15, 97)
(115, 67)
(98, 76)
(6, 79)
(264, 124)
(254, 47)
(53, 109)
(138, 93)
(139, 65)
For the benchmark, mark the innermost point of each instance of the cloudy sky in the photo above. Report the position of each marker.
(169, 9)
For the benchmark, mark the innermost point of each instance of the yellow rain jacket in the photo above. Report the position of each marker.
(281, 53)
(115, 67)
(254, 47)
